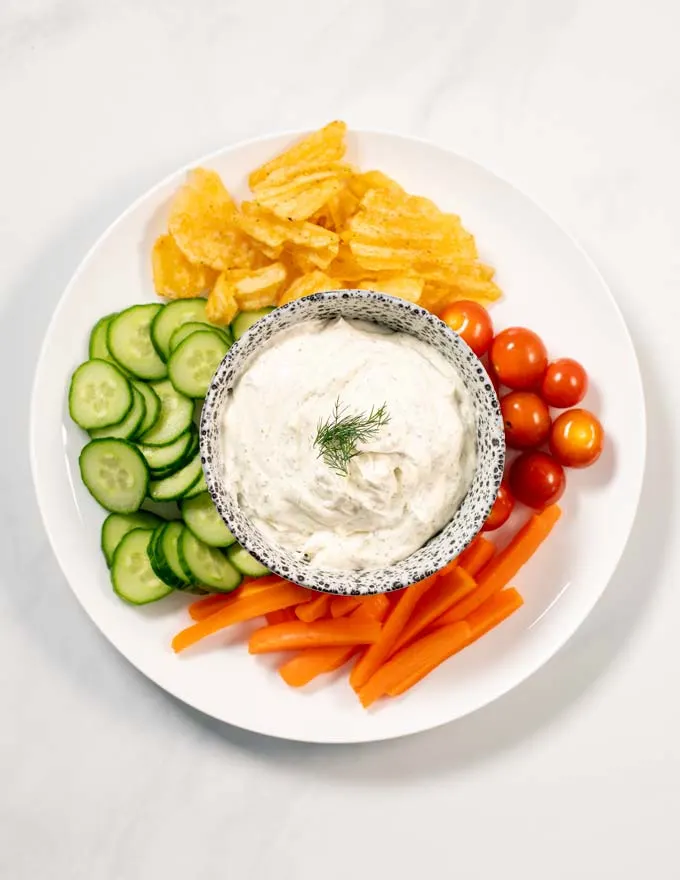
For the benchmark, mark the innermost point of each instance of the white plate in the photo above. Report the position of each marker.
(550, 286)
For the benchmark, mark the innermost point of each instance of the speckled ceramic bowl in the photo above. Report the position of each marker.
(398, 315)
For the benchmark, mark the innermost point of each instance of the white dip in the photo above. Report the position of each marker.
(405, 484)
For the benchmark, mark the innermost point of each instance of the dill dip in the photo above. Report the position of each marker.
(344, 499)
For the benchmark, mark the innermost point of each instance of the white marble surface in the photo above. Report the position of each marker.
(576, 773)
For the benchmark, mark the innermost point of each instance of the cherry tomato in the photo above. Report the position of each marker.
(501, 510)
(536, 479)
(526, 419)
(565, 383)
(471, 322)
(576, 438)
(519, 358)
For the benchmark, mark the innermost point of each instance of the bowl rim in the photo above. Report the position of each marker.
(339, 581)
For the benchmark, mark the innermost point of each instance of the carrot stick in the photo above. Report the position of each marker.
(308, 664)
(314, 609)
(476, 555)
(341, 606)
(202, 608)
(419, 658)
(242, 608)
(494, 611)
(437, 601)
(503, 567)
(399, 616)
(449, 568)
(298, 634)
(282, 616)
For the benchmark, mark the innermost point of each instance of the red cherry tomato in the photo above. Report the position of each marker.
(536, 479)
(576, 438)
(564, 384)
(519, 358)
(526, 419)
(471, 322)
(501, 510)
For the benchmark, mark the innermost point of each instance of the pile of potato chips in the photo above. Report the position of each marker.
(314, 223)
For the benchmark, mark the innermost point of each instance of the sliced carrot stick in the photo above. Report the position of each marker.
(341, 606)
(399, 616)
(444, 594)
(419, 658)
(476, 555)
(297, 634)
(494, 611)
(281, 616)
(503, 567)
(202, 608)
(314, 609)
(449, 568)
(308, 664)
(242, 608)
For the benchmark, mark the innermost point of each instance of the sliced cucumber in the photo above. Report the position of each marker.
(175, 417)
(245, 320)
(181, 333)
(115, 473)
(201, 516)
(197, 489)
(130, 424)
(161, 457)
(164, 553)
(207, 565)
(132, 577)
(117, 525)
(170, 470)
(153, 406)
(245, 563)
(129, 341)
(99, 395)
(193, 363)
(176, 486)
(174, 315)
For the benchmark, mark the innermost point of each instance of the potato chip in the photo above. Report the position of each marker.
(222, 306)
(345, 267)
(202, 223)
(272, 231)
(174, 277)
(325, 145)
(314, 282)
(359, 184)
(290, 203)
(257, 289)
(402, 286)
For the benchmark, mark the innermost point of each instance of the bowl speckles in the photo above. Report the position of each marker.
(398, 315)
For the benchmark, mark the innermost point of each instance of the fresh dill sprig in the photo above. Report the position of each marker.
(337, 438)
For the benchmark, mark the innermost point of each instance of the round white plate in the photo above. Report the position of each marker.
(550, 285)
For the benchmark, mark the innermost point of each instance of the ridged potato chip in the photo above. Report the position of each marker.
(313, 282)
(202, 223)
(326, 145)
(291, 203)
(359, 184)
(265, 227)
(174, 277)
(257, 289)
(403, 286)
(222, 307)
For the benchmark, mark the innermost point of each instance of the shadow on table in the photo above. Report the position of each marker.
(545, 698)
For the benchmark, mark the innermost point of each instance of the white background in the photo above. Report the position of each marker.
(577, 772)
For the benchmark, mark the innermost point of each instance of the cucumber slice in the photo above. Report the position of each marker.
(117, 525)
(115, 474)
(193, 363)
(245, 563)
(161, 457)
(165, 556)
(132, 577)
(245, 320)
(99, 395)
(130, 424)
(129, 341)
(207, 565)
(174, 487)
(172, 316)
(175, 417)
(170, 470)
(153, 406)
(201, 517)
(197, 489)
(185, 330)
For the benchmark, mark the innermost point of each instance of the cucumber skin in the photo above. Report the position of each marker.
(181, 493)
(159, 563)
(162, 374)
(115, 586)
(70, 394)
(187, 568)
(108, 555)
